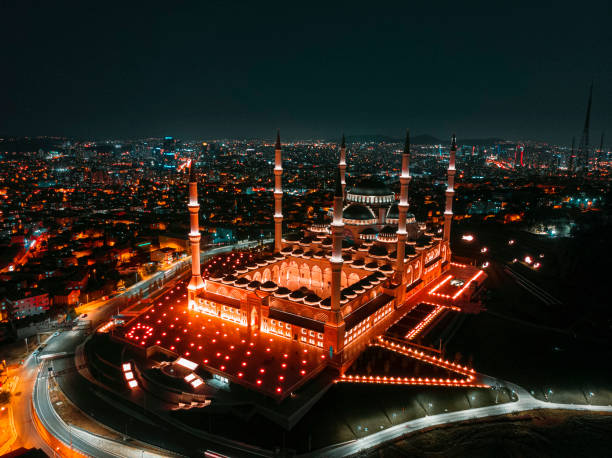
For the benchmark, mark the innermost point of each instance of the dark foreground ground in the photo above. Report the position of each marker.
(539, 434)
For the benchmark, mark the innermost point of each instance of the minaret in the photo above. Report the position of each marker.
(278, 195)
(403, 209)
(196, 282)
(450, 190)
(337, 228)
(342, 165)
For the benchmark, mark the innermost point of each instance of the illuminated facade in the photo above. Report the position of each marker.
(275, 321)
(322, 291)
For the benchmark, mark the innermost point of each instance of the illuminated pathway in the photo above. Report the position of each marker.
(470, 374)
(423, 324)
(526, 402)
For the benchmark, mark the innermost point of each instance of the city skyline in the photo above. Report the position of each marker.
(211, 71)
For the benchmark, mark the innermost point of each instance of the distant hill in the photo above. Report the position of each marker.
(26, 144)
(415, 139)
(423, 139)
(479, 141)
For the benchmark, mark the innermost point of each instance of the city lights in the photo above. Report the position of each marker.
(180, 277)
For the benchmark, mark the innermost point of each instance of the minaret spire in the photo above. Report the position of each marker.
(196, 283)
(337, 228)
(278, 195)
(403, 209)
(450, 190)
(342, 165)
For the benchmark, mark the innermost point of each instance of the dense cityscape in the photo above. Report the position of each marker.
(91, 223)
(86, 219)
(252, 230)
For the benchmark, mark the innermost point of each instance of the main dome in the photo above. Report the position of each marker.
(370, 187)
(370, 190)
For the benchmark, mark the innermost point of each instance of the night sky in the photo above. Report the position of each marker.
(221, 69)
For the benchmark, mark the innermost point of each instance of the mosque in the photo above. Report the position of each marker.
(332, 287)
(313, 302)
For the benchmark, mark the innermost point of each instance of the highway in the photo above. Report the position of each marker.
(74, 437)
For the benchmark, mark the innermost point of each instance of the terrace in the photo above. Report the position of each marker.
(455, 287)
(273, 365)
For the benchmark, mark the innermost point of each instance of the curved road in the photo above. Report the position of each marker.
(23, 398)
(526, 402)
(74, 437)
(52, 421)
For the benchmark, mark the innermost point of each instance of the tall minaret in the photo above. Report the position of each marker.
(337, 228)
(278, 195)
(196, 282)
(342, 165)
(450, 190)
(403, 208)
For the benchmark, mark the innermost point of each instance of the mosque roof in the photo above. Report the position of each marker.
(371, 186)
(393, 212)
(358, 212)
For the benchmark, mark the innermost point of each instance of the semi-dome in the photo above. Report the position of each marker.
(388, 231)
(377, 250)
(358, 212)
(393, 214)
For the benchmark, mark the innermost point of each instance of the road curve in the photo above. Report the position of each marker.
(525, 403)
